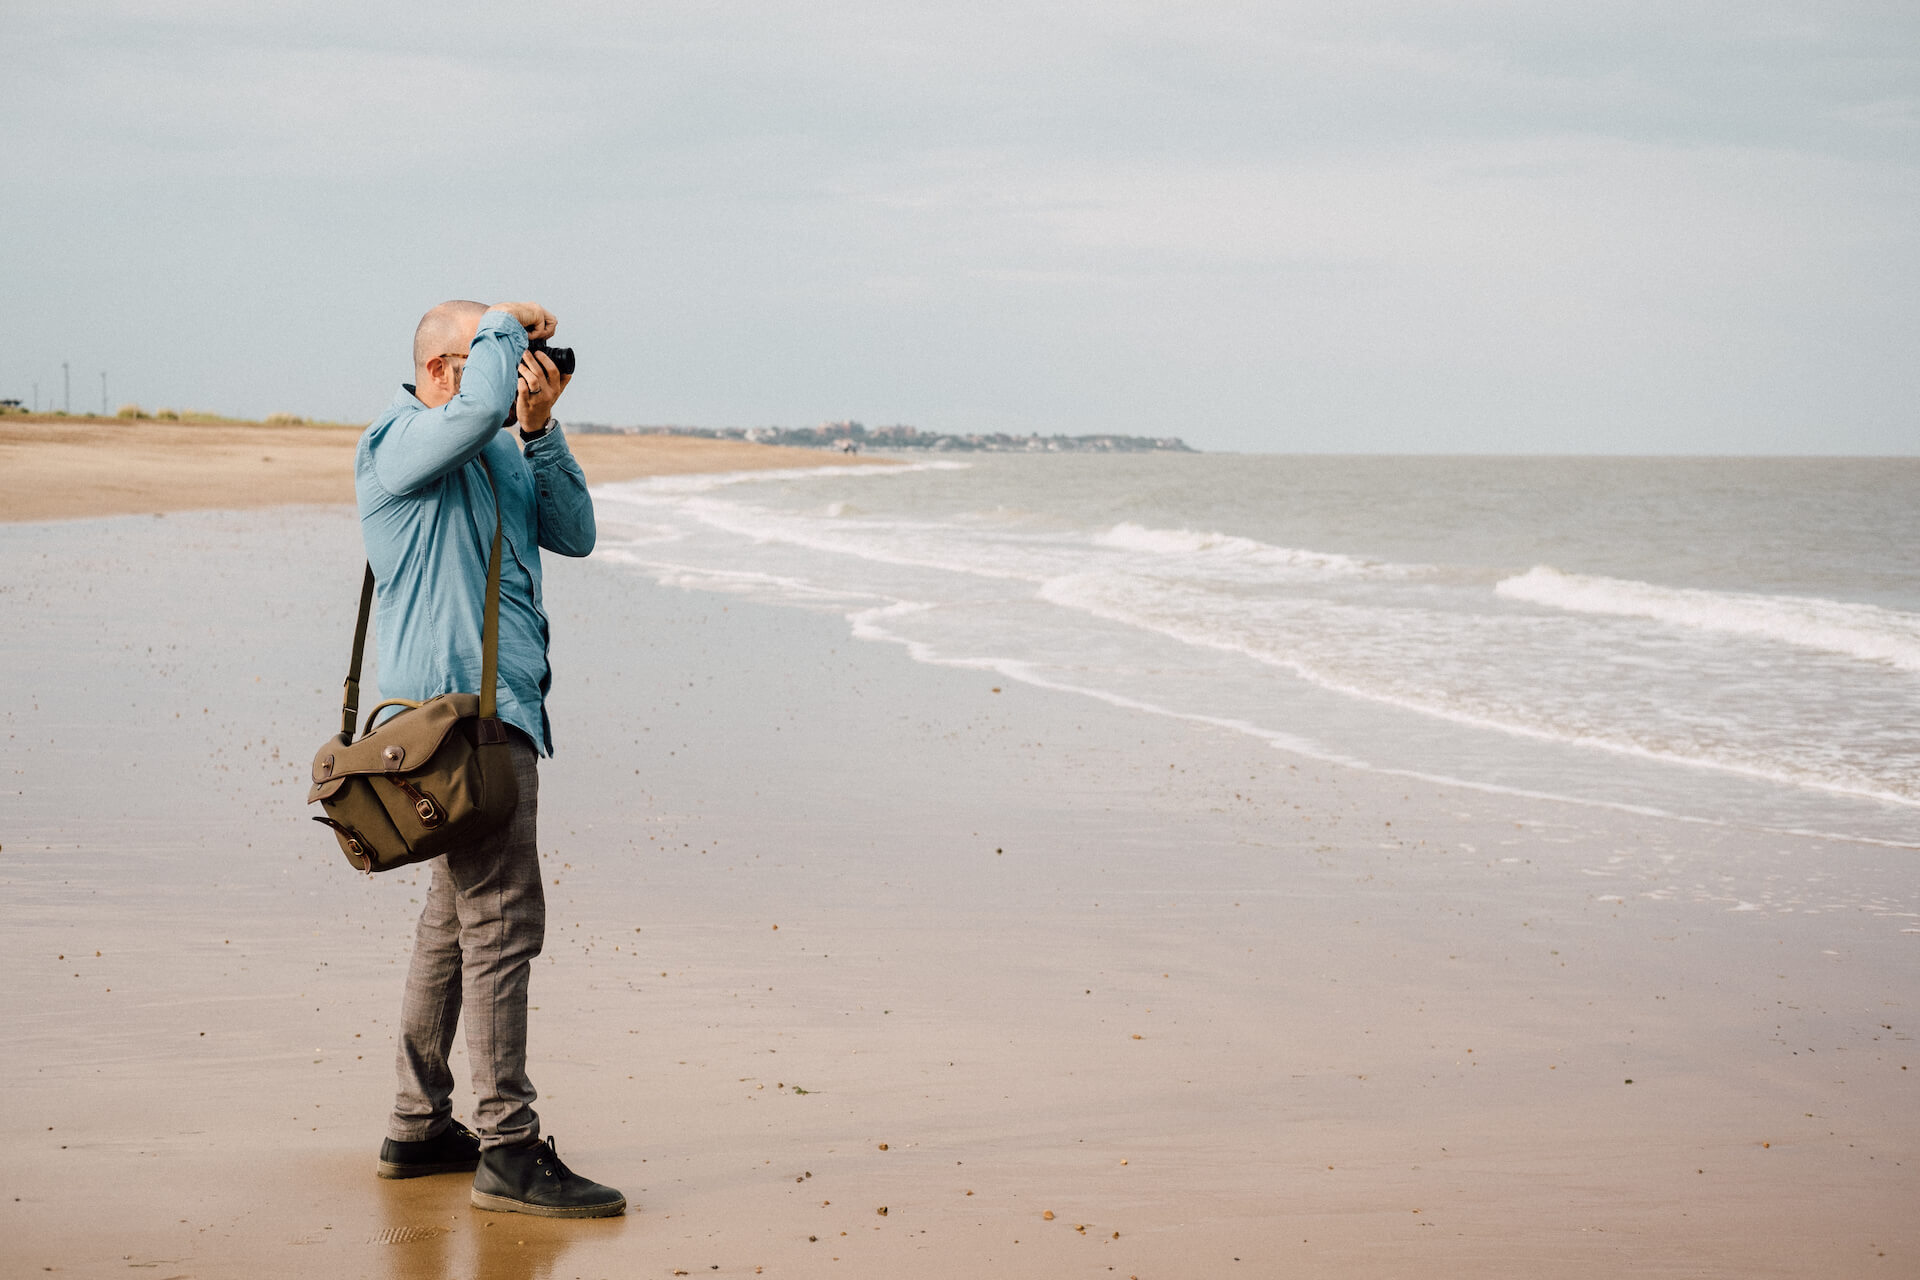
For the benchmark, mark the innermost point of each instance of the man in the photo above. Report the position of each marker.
(427, 515)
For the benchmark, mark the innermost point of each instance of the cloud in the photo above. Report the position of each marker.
(1405, 224)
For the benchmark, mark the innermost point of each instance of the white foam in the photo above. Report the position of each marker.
(1159, 609)
(969, 589)
(782, 587)
(634, 533)
(1861, 631)
(894, 542)
(707, 481)
(867, 624)
(1127, 536)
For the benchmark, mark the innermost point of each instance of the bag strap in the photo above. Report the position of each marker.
(350, 698)
(490, 629)
(489, 634)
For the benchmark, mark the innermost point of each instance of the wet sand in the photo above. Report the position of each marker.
(59, 468)
(1255, 1015)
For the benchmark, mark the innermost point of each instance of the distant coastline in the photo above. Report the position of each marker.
(55, 467)
(852, 436)
(845, 437)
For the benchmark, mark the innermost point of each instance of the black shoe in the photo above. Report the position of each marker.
(530, 1179)
(455, 1149)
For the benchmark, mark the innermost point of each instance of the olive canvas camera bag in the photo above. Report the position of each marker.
(437, 776)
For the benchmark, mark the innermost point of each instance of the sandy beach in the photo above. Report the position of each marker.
(857, 966)
(61, 468)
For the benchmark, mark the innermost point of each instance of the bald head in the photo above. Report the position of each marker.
(448, 327)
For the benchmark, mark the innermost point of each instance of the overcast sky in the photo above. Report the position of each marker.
(1349, 227)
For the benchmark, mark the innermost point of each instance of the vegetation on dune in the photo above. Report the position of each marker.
(131, 413)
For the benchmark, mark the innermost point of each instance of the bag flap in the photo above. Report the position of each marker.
(401, 743)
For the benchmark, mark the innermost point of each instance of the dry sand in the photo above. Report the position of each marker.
(61, 468)
(1256, 1016)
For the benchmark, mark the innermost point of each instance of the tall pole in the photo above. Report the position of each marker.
(66, 389)
(36, 397)
(103, 393)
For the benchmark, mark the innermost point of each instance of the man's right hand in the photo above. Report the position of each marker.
(534, 318)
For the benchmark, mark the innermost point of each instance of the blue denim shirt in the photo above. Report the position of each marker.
(426, 515)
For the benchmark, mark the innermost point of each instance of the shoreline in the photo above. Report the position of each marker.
(1152, 978)
(70, 469)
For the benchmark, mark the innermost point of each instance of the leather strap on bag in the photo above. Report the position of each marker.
(350, 700)
(490, 630)
(489, 634)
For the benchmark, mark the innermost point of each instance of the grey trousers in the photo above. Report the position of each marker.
(483, 924)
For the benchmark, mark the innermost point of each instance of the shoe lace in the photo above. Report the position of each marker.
(552, 1157)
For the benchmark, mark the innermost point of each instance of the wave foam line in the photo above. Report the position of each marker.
(1080, 592)
(690, 577)
(866, 626)
(1127, 536)
(704, 481)
(1862, 631)
(837, 538)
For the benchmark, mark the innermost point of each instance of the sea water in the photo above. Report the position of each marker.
(1733, 641)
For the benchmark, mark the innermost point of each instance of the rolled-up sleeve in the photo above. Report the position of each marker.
(422, 447)
(564, 506)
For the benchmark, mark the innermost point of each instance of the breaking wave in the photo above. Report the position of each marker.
(1126, 536)
(1861, 631)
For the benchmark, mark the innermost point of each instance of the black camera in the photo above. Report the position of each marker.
(562, 357)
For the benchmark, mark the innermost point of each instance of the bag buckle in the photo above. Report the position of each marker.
(423, 804)
(357, 852)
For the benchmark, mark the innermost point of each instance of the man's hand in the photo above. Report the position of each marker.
(540, 385)
(534, 318)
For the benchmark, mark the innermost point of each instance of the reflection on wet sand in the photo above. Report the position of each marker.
(429, 1232)
(511, 1247)
(419, 1221)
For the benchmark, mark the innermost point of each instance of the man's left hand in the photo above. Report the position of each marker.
(540, 385)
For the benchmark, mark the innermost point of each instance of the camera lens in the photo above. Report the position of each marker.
(562, 357)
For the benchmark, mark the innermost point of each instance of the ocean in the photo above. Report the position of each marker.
(1727, 641)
